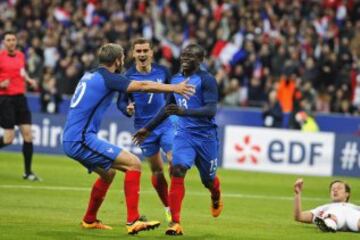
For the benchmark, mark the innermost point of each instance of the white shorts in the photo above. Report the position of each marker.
(348, 219)
(352, 220)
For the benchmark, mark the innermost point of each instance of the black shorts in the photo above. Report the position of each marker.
(14, 110)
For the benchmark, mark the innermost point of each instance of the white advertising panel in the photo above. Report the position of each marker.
(278, 151)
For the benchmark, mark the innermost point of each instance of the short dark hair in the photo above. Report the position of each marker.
(141, 41)
(347, 187)
(109, 52)
(197, 50)
(8, 33)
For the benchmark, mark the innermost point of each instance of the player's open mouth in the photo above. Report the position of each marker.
(185, 65)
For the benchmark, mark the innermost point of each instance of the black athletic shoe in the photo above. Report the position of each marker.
(32, 177)
(321, 224)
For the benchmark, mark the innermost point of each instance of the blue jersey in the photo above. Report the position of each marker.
(147, 105)
(93, 95)
(206, 92)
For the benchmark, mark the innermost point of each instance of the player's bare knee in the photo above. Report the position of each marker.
(27, 136)
(127, 161)
(9, 136)
(110, 175)
(157, 172)
(135, 163)
(178, 171)
(156, 169)
(26, 132)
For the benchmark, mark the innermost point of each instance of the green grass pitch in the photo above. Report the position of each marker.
(257, 205)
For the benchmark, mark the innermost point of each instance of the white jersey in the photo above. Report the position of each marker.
(347, 214)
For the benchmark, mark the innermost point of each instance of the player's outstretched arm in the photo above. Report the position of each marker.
(119, 82)
(299, 215)
(183, 88)
(209, 110)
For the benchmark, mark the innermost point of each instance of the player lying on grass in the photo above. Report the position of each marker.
(196, 140)
(145, 106)
(93, 95)
(339, 215)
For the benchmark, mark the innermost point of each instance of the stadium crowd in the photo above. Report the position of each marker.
(305, 55)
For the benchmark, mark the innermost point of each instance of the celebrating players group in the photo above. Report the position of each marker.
(147, 92)
(192, 95)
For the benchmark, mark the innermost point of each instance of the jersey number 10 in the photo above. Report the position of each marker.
(78, 95)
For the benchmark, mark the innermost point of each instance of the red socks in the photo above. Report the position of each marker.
(97, 196)
(161, 187)
(215, 191)
(176, 195)
(132, 189)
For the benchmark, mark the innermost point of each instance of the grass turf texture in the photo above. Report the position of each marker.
(257, 205)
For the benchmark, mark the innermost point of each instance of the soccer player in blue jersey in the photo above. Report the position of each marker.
(145, 106)
(195, 140)
(92, 97)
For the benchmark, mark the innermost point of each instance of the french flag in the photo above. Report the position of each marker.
(321, 26)
(89, 13)
(169, 49)
(258, 69)
(229, 53)
(62, 16)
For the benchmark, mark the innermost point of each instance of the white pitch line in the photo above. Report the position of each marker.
(227, 195)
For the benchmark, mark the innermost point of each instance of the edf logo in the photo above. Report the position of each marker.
(278, 150)
(294, 152)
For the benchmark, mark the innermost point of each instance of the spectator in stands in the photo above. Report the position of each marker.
(35, 65)
(49, 97)
(319, 40)
(340, 101)
(232, 93)
(308, 94)
(306, 122)
(272, 113)
(355, 86)
(311, 72)
(286, 90)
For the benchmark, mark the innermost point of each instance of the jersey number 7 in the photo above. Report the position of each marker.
(151, 95)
